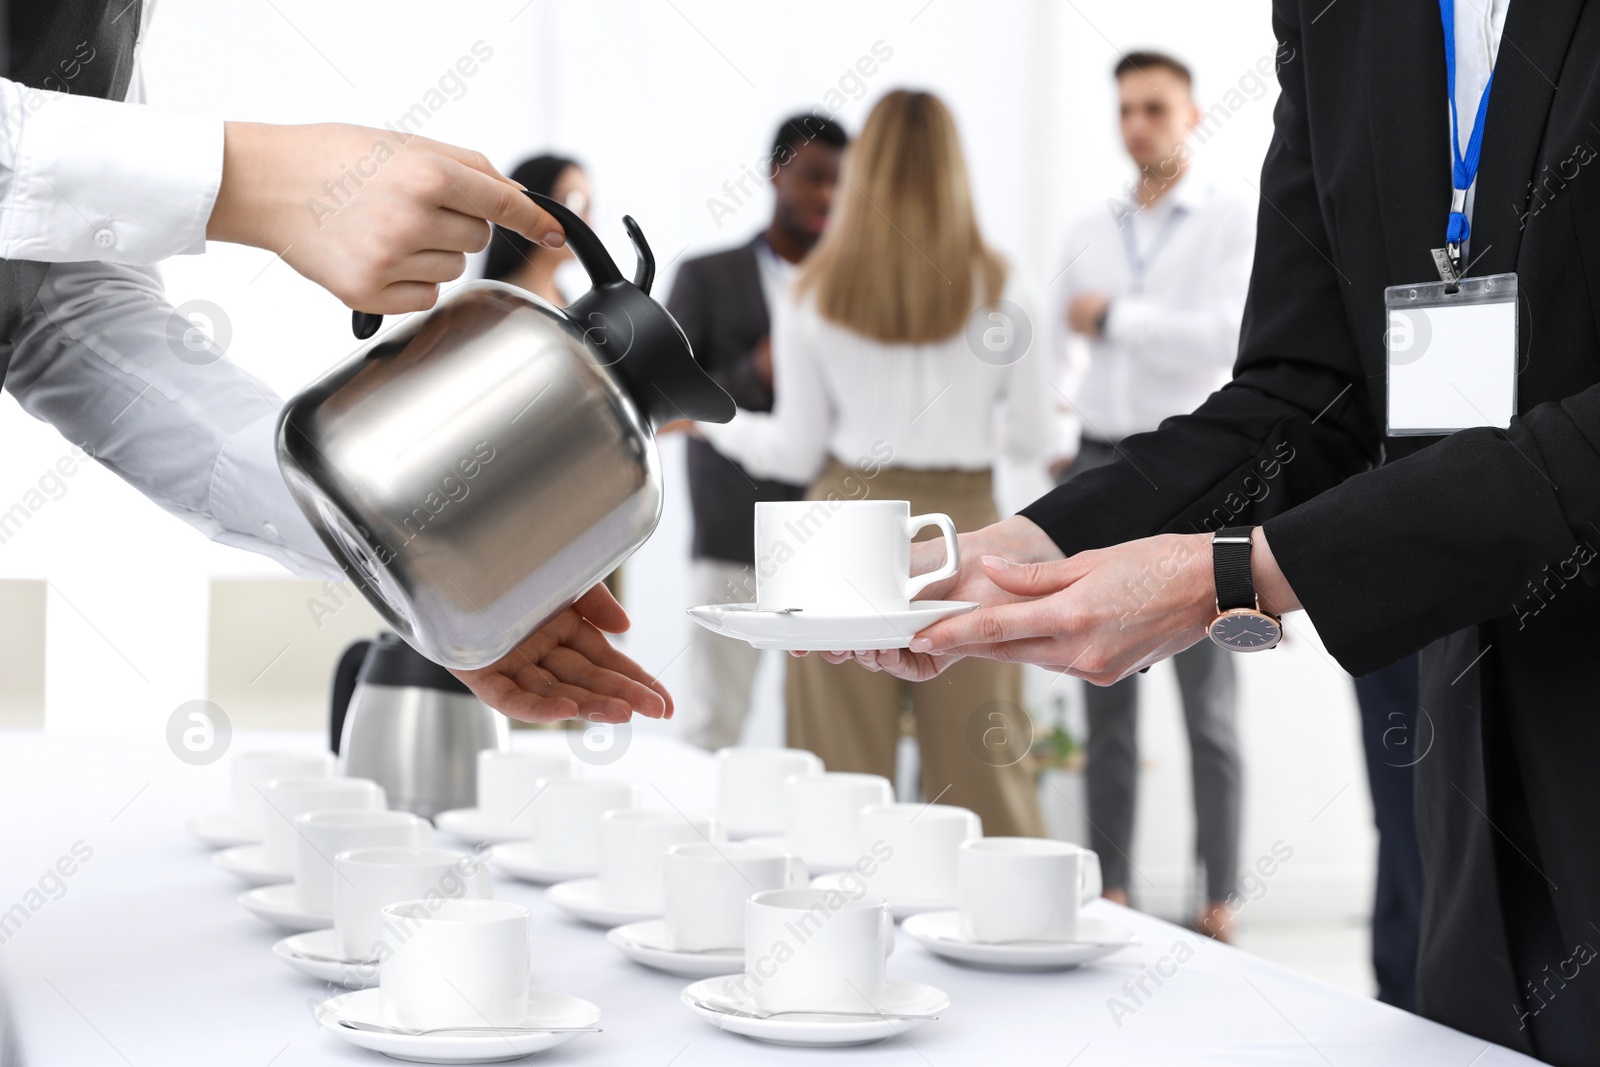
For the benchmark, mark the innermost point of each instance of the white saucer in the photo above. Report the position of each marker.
(821, 1029)
(778, 841)
(737, 831)
(297, 951)
(940, 933)
(646, 943)
(276, 904)
(221, 831)
(248, 863)
(470, 826)
(521, 860)
(581, 899)
(902, 907)
(544, 1009)
(799, 631)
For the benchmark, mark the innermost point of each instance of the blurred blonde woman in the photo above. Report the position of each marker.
(894, 379)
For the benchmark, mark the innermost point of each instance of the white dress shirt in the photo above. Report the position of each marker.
(1479, 24)
(100, 189)
(1173, 328)
(900, 405)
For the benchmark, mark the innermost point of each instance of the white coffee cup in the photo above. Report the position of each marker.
(461, 963)
(508, 782)
(321, 835)
(285, 799)
(707, 885)
(814, 950)
(916, 846)
(367, 879)
(823, 814)
(843, 557)
(633, 851)
(1024, 888)
(750, 786)
(566, 819)
(251, 770)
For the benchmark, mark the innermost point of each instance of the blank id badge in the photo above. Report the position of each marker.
(1452, 356)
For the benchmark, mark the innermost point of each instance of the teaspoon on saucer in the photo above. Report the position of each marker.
(723, 1009)
(377, 1028)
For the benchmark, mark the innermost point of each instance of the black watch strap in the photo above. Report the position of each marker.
(1230, 564)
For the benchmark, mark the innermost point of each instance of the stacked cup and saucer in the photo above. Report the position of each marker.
(453, 987)
(822, 817)
(836, 575)
(814, 974)
(271, 863)
(1020, 908)
(706, 883)
(307, 903)
(751, 783)
(244, 824)
(562, 839)
(907, 853)
(508, 784)
(632, 877)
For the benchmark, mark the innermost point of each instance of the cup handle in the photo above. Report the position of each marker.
(888, 931)
(796, 876)
(1089, 877)
(952, 551)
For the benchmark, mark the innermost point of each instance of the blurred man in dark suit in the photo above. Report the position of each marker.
(721, 300)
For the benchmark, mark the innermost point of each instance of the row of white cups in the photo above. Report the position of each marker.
(726, 898)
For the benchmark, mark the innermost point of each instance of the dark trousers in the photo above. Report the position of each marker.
(1394, 740)
(1111, 767)
(1111, 754)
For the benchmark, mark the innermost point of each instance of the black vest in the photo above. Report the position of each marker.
(66, 46)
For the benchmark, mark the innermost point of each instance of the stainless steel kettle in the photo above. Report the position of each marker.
(479, 467)
(411, 726)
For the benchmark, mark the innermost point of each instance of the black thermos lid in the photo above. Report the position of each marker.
(390, 661)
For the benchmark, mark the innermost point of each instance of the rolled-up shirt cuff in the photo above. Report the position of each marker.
(95, 179)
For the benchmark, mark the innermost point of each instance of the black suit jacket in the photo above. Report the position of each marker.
(1478, 545)
(719, 302)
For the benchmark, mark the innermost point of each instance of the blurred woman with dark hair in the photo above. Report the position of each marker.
(515, 260)
(518, 261)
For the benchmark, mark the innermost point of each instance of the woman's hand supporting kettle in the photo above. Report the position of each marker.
(377, 217)
(568, 668)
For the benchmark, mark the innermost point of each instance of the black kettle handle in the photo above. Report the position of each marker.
(597, 262)
(344, 687)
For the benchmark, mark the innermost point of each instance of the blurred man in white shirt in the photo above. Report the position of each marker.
(1153, 297)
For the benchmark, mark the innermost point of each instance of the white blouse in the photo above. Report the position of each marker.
(867, 402)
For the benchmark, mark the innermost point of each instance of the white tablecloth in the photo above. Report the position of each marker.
(141, 957)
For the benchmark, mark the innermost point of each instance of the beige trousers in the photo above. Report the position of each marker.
(969, 720)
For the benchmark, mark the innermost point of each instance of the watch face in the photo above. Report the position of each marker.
(1244, 630)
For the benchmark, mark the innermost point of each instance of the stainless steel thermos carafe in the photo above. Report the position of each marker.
(479, 467)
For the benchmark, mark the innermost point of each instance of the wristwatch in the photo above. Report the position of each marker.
(1240, 625)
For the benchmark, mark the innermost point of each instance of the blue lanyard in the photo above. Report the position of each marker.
(1465, 166)
(1137, 264)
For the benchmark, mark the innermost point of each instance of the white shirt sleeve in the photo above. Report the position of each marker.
(89, 179)
(104, 358)
(791, 442)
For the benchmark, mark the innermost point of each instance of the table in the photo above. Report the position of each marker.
(140, 957)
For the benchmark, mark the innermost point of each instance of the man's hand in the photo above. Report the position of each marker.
(1104, 614)
(376, 217)
(1083, 314)
(568, 668)
(1014, 538)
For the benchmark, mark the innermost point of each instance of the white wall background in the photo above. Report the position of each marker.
(664, 100)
